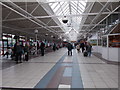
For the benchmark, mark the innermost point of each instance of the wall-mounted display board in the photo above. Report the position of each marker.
(93, 42)
(114, 41)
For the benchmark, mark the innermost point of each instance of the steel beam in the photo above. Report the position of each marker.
(23, 31)
(7, 15)
(56, 1)
(86, 25)
(14, 29)
(34, 9)
(24, 13)
(102, 10)
(55, 19)
(60, 16)
(100, 13)
(105, 18)
(84, 18)
(103, 6)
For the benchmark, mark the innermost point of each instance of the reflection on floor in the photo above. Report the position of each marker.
(58, 70)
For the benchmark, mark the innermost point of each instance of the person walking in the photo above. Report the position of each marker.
(89, 49)
(78, 48)
(69, 47)
(18, 52)
(42, 47)
(82, 45)
(54, 47)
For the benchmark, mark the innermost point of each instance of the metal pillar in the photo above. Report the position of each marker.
(97, 40)
(36, 32)
(107, 47)
(0, 22)
(36, 42)
(1, 43)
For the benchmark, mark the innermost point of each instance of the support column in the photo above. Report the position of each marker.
(97, 41)
(36, 32)
(0, 44)
(0, 21)
(107, 47)
(36, 43)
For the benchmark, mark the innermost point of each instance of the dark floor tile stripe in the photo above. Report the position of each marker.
(66, 80)
(54, 83)
(47, 78)
(67, 72)
(76, 76)
(67, 64)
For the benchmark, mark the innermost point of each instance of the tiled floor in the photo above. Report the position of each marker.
(97, 74)
(94, 72)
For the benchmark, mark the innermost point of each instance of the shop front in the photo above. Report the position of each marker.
(111, 47)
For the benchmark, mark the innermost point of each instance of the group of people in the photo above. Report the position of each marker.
(22, 52)
(83, 46)
(19, 51)
(42, 47)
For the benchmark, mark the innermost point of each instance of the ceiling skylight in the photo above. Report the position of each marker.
(72, 9)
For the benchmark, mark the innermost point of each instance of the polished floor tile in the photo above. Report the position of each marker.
(94, 72)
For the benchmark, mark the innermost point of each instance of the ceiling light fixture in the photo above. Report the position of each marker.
(65, 20)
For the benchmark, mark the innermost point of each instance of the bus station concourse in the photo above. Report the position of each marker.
(60, 44)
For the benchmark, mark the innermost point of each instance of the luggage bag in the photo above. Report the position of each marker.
(85, 54)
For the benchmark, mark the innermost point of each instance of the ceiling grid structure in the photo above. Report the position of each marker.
(23, 12)
(50, 12)
(71, 8)
(101, 15)
(104, 18)
(47, 15)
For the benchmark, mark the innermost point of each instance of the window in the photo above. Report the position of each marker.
(104, 41)
(114, 41)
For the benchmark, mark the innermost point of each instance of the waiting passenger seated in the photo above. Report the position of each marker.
(8, 52)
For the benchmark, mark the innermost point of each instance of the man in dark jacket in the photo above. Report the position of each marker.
(82, 45)
(89, 49)
(69, 47)
(42, 47)
(54, 47)
(18, 52)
